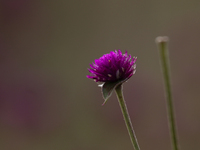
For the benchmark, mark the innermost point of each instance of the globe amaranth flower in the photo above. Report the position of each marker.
(112, 67)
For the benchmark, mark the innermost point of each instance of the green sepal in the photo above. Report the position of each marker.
(108, 87)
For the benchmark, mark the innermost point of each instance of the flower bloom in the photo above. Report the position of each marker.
(112, 67)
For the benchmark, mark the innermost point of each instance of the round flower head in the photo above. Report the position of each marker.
(112, 67)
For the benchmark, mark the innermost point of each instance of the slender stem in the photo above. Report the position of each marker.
(126, 117)
(162, 46)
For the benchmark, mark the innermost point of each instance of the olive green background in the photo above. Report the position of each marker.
(46, 46)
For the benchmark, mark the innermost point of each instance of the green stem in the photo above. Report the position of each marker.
(129, 126)
(162, 46)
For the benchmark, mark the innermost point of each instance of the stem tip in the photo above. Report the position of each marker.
(161, 39)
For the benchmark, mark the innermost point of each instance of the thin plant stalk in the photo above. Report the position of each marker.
(124, 110)
(164, 58)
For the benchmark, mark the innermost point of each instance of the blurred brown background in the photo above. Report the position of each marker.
(46, 101)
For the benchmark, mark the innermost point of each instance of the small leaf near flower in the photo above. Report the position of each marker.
(108, 88)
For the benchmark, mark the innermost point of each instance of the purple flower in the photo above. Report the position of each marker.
(112, 67)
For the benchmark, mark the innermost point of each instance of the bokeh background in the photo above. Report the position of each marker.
(46, 46)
